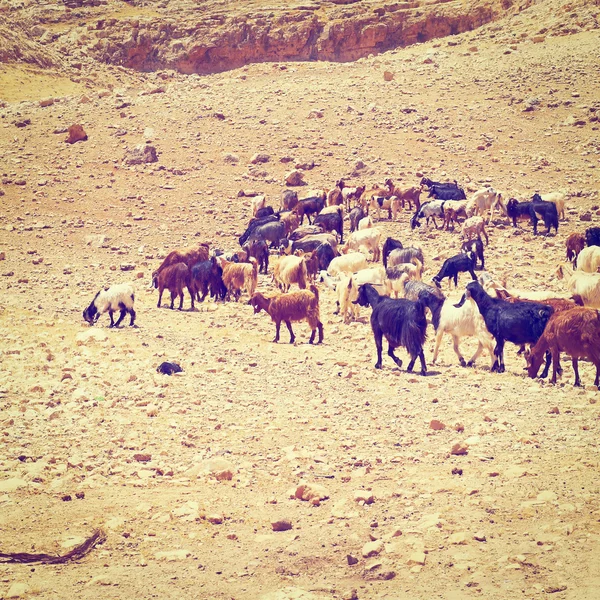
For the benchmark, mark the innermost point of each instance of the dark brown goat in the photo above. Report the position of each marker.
(174, 278)
(575, 244)
(189, 256)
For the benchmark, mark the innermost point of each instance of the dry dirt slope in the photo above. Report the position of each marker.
(90, 415)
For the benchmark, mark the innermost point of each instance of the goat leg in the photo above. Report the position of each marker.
(472, 272)
(378, 344)
(457, 351)
(548, 359)
(160, 293)
(597, 380)
(320, 328)
(423, 365)
(411, 364)
(277, 326)
(393, 356)
(132, 320)
(292, 337)
(110, 314)
(121, 315)
(575, 362)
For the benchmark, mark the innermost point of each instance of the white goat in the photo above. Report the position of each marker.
(484, 200)
(118, 297)
(589, 259)
(365, 223)
(580, 283)
(558, 199)
(367, 239)
(412, 270)
(347, 264)
(257, 202)
(348, 290)
(473, 227)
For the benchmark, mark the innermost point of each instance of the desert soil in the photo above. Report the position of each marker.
(186, 474)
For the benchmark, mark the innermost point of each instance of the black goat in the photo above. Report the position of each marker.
(356, 214)
(402, 322)
(289, 199)
(430, 183)
(253, 224)
(331, 222)
(259, 250)
(325, 254)
(207, 276)
(516, 322)
(532, 209)
(272, 232)
(389, 245)
(475, 246)
(446, 193)
(461, 263)
(264, 212)
(592, 236)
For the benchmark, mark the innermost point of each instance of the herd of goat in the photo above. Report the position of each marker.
(542, 324)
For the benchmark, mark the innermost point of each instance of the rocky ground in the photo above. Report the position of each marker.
(191, 475)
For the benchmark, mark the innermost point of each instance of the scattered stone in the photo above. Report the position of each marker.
(316, 114)
(215, 518)
(554, 411)
(172, 555)
(142, 457)
(91, 335)
(586, 216)
(372, 548)
(436, 425)
(76, 134)
(480, 537)
(364, 496)
(230, 158)
(538, 39)
(46, 102)
(310, 491)
(352, 560)
(388, 76)
(18, 590)
(460, 449)
(260, 158)
(459, 537)
(141, 154)
(127, 266)
(281, 525)
(554, 588)
(417, 558)
(294, 178)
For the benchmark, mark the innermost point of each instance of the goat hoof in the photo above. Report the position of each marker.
(470, 364)
(462, 362)
(378, 365)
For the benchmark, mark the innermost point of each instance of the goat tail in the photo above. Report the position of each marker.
(303, 275)
(414, 332)
(315, 292)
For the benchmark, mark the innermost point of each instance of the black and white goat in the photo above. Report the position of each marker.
(389, 245)
(428, 210)
(118, 297)
(400, 321)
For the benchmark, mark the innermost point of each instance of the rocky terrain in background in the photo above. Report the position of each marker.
(283, 472)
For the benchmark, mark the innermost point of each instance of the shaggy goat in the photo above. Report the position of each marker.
(405, 255)
(117, 297)
(332, 222)
(347, 264)
(475, 246)
(576, 332)
(289, 308)
(189, 256)
(413, 270)
(174, 279)
(474, 226)
(239, 276)
(402, 322)
(289, 199)
(365, 238)
(252, 226)
(519, 322)
(289, 270)
(589, 259)
(584, 285)
(484, 200)
(592, 236)
(259, 250)
(207, 276)
(557, 198)
(389, 245)
(355, 216)
(308, 207)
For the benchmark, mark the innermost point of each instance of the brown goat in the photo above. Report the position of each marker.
(291, 307)
(291, 222)
(239, 276)
(409, 194)
(289, 270)
(575, 244)
(174, 278)
(189, 256)
(575, 332)
(312, 263)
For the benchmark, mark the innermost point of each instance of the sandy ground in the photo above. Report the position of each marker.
(186, 474)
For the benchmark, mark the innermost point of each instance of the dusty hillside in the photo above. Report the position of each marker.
(187, 474)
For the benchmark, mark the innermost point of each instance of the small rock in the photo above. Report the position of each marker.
(310, 491)
(372, 548)
(388, 76)
(76, 134)
(281, 525)
(316, 114)
(230, 158)
(352, 560)
(538, 39)
(436, 425)
(127, 267)
(46, 102)
(142, 457)
(417, 558)
(364, 496)
(172, 555)
(215, 518)
(141, 154)
(91, 335)
(260, 158)
(459, 449)
(554, 411)
(587, 217)
(18, 590)
(12, 484)
(480, 537)
(294, 178)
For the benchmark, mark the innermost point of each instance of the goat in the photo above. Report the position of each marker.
(332, 222)
(475, 246)
(557, 198)
(289, 308)
(377, 203)
(410, 194)
(519, 322)
(547, 210)
(309, 206)
(347, 290)
(347, 264)
(305, 230)
(584, 285)
(117, 297)
(355, 216)
(325, 254)
(402, 322)
(350, 193)
(365, 238)
(258, 203)
(290, 221)
(463, 321)
(366, 223)
(174, 279)
(484, 200)
(428, 210)
(474, 226)
(312, 265)
(454, 265)
(411, 288)
(575, 244)
(446, 192)
(576, 332)
(592, 236)
(252, 226)
(334, 197)
(589, 259)
(259, 250)
(311, 242)
(389, 245)
(430, 183)
(207, 276)
(239, 276)
(289, 199)
(272, 232)
(264, 212)
(189, 256)
(290, 270)
(405, 255)
(413, 270)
